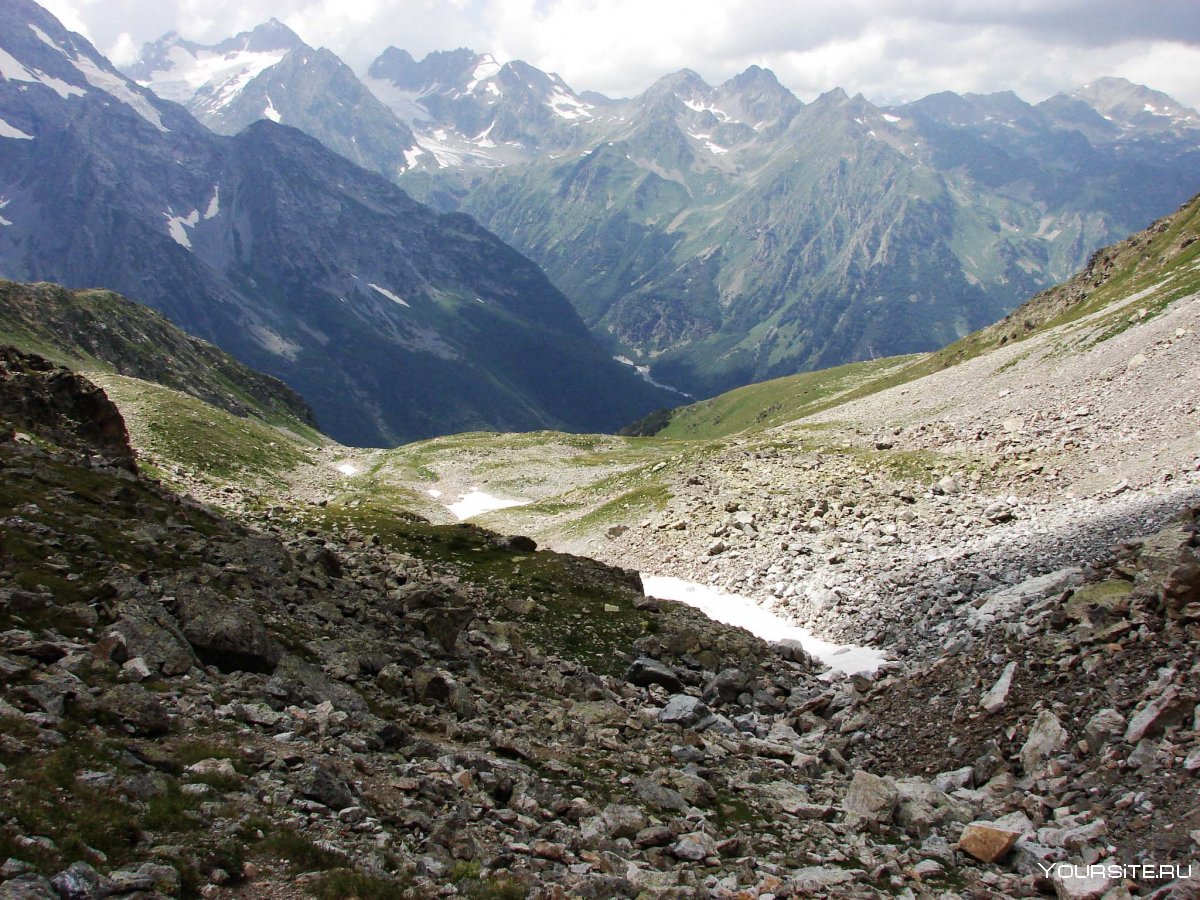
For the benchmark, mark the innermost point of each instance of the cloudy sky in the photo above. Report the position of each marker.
(889, 50)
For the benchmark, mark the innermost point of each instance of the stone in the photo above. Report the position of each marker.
(228, 635)
(1072, 882)
(947, 485)
(986, 842)
(994, 699)
(1148, 717)
(136, 669)
(28, 887)
(221, 768)
(1103, 727)
(321, 782)
(79, 882)
(928, 868)
(684, 710)
(654, 836)
(645, 672)
(1046, 737)
(162, 647)
(870, 797)
(622, 820)
(139, 709)
(726, 686)
(948, 782)
(693, 847)
(433, 685)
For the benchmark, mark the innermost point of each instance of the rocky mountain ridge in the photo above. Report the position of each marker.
(695, 227)
(102, 330)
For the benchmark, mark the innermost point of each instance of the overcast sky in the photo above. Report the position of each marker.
(889, 50)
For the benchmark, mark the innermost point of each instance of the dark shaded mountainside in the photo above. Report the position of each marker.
(393, 321)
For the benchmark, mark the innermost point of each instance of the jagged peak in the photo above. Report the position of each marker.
(684, 80)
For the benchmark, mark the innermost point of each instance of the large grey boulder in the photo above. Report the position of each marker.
(226, 633)
(870, 797)
(684, 710)
(645, 672)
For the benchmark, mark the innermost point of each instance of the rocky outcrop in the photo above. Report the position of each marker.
(61, 407)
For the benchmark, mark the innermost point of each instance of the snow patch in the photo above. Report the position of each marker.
(742, 612)
(411, 156)
(477, 502)
(177, 226)
(13, 70)
(486, 69)
(271, 112)
(405, 104)
(214, 205)
(644, 371)
(116, 86)
(347, 468)
(888, 117)
(434, 493)
(387, 294)
(697, 106)
(4, 201)
(716, 149)
(11, 131)
(568, 107)
(220, 77)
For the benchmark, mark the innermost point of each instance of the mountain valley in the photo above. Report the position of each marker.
(348, 552)
(382, 701)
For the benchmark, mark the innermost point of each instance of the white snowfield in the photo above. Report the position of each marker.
(12, 131)
(733, 609)
(221, 76)
(477, 502)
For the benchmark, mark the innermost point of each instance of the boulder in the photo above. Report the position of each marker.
(227, 635)
(646, 671)
(1149, 717)
(321, 782)
(684, 710)
(1046, 737)
(164, 649)
(870, 797)
(994, 699)
(986, 842)
(137, 708)
(1103, 727)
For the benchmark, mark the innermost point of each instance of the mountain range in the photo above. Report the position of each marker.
(721, 235)
(394, 321)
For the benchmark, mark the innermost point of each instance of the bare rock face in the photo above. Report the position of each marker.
(55, 403)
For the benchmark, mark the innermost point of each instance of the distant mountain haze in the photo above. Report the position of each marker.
(721, 235)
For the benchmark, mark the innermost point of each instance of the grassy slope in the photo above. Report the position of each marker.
(96, 331)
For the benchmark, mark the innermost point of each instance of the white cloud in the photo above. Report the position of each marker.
(885, 49)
